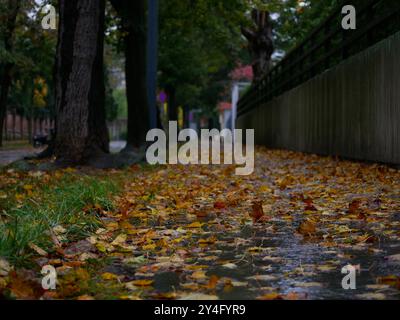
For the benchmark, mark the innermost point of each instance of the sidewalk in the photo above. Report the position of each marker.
(202, 232)
(8, 155)
(12, 155)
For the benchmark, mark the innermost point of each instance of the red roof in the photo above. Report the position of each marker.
(242, 73)
(223, 106)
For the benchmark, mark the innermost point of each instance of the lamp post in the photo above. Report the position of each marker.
(152, 57)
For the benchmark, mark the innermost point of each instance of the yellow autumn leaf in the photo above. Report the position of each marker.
(28, 187)
(194, 225)
(198, 275)
(142, 283)
(109, 276)
(149, 247)
(265, 189)
(119, 240)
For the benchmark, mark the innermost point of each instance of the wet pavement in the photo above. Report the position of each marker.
(192, 234)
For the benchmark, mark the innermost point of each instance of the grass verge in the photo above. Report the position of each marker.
(32, 206)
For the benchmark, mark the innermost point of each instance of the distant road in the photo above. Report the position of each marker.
(8, 156)
(12, 155)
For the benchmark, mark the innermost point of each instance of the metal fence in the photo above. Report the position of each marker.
(325, 47)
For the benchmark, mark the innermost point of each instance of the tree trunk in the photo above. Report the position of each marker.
(172, 107)
(14, 123)
(21, 126)
(30, 124)
(81, 130)
(5, 81)
(133, 14)
(261, 45)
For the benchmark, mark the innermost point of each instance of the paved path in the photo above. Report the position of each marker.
(188, 230)
(117, 146)
(9, 156)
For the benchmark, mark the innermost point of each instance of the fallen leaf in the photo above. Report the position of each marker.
(142, 283)
(371, 296)
(194, 225)
(85, 298)
(230, 266)
(212, 283)
(119, 240)
(198, 275)
(38, 250)
(393, 258)
(354, 206)
(258, 213)
(219, 205)
(263, 277)
(199, 297)
(392, 280)
(270, 296)
(5, 267)
(308, 284)
(307, 228)
(109, 276)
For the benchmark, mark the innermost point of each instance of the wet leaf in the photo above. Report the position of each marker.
(257, 212)
(307, 228)
(38, 250)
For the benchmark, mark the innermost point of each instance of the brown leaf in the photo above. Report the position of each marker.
(309, 205)
(271, 296)
(307, 228)
(212, 283)
(258, 213)
(219, 205)
(392, 280)
(38, 250)
(24, 289)
(201, 214)
(354, 207)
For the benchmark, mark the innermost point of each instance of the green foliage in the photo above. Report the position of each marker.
(110, 102)
(120, 100)
(59, 204)
(33, 58)
(200, 42)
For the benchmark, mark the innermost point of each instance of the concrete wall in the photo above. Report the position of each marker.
(352, 110)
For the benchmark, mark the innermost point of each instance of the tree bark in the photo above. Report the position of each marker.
(172, 107)
(81, 130)
(5, 81)
(133, 15)
(261, 44)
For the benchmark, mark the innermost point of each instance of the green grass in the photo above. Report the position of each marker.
(59, 203)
